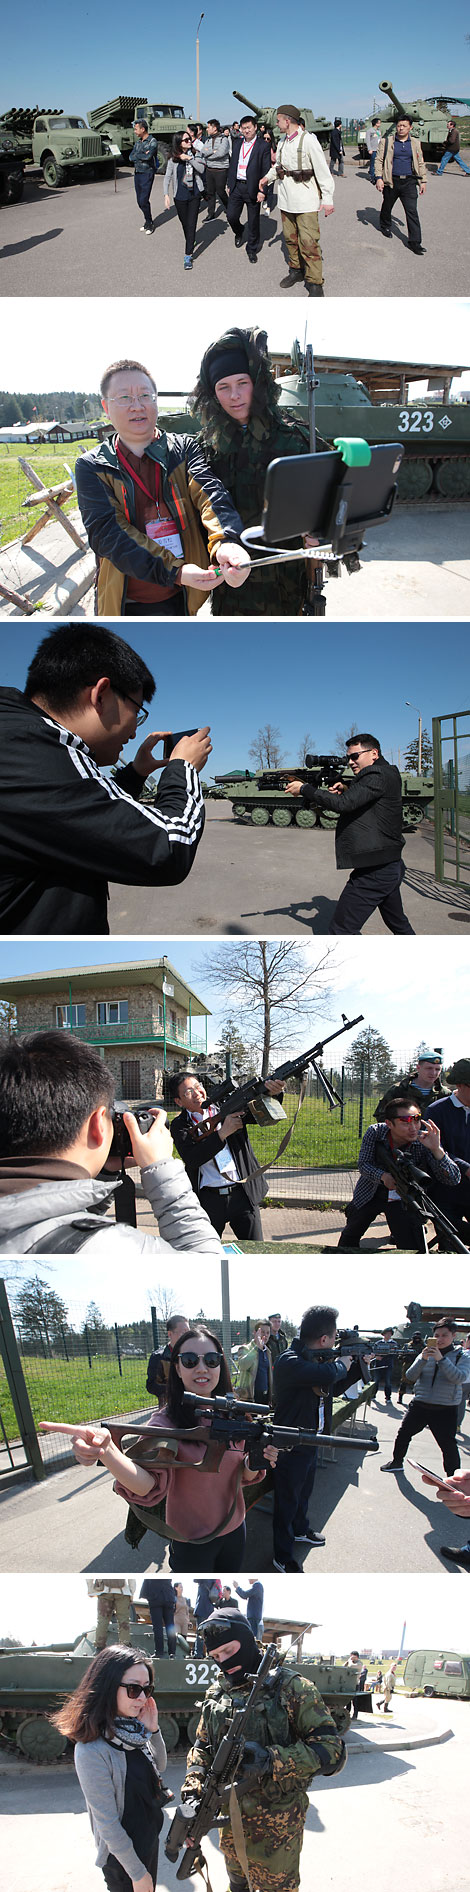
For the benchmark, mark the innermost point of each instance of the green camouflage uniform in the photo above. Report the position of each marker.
(239, 456)
(295, 1724)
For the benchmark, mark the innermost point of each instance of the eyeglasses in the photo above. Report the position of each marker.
(408, 1119)
(142, 714)
(134, 1689)
(200, 1359)
(128, 400)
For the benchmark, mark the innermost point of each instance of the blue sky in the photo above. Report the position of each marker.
(332, 62)
(361, 1612)
(300, 680)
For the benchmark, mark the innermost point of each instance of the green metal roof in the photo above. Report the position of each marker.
(128, 972)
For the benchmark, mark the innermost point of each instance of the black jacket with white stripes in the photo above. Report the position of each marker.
(65, 827)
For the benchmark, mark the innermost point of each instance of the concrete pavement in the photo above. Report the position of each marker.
(265, 878)
(372, 1522)
(73, 242)
(404, 1814)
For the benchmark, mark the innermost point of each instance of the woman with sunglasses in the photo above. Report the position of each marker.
(113, 1719)
(184, 175)
(199, 1505)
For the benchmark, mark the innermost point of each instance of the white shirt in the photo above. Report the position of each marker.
(243, 158)
(221, 1168)
(296, 198)
(458, 1105)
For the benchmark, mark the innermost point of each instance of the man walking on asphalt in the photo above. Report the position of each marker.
(145, 161)
(305, 186)
(305, 1381)
(438, 1374)
(368, 839)
(64, 825)
(451, 152)
(400, 171)
(249, 162)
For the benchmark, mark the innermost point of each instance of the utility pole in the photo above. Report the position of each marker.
(198, 100)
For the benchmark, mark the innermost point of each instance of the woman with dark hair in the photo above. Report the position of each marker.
(236, 403)
(119, 1753)
(184, 175)
(203, 1511)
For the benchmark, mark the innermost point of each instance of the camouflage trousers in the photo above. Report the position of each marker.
(302, 240)
(108, 1606)
(273, 1845)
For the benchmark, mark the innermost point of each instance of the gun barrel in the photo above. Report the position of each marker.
(244, 101)
(385, 86)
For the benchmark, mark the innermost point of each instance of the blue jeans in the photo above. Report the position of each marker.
(373, 156)
(452, 157)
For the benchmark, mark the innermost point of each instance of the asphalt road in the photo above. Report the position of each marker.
(86, 240)
(372, 1522)
(393, 1817)
(276, 880)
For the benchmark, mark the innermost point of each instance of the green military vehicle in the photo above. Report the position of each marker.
(66, 149)
(267, 115)
(438, 1672)
(435, 435)
(429, 122)
(164, 122)
(261, 796)
(115, 121)
(34, 1683)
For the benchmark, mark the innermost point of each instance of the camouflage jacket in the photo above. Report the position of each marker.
(239, 459)
(292, 1720)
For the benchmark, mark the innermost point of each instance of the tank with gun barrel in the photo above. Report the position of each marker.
(267, 115)
(34, 1682)
(116, 120)
(261, 795)
(429, 122)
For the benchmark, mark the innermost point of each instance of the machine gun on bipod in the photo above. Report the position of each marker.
(253, 1100)
(411, 1185)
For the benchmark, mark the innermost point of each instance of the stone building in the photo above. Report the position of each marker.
(142, 1017)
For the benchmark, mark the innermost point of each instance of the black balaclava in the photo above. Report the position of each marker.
(230, 1626)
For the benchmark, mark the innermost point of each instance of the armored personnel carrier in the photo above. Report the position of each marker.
(115, 121)
(267, 115)
(261, 796)
(35, 1682)
(429, 122)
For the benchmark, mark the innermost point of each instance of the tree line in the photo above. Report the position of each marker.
(59, 405)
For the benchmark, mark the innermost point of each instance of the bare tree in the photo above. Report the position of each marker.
(165, 1301)
(306, 747)
(264, 751)
(343, 736)
(276, 986)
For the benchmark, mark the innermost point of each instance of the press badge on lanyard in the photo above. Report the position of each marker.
(162, 531)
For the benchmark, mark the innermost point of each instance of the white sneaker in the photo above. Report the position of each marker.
(147, 229)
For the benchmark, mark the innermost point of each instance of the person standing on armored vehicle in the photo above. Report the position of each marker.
(236, 402)
(291, 1738)
(305, 185)
(400, 171)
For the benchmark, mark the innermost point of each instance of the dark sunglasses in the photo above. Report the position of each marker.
(408, 1119)
(134, 1689)
(198, 1359)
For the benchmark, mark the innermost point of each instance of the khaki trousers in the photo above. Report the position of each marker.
(302, 240)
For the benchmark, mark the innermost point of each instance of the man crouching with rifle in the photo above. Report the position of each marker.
(264, 1733)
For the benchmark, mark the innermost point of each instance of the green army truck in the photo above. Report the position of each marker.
(164, 123)
(66, 149)
(115, 120)
(438, 1672)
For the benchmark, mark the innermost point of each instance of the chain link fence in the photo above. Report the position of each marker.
(320, 1164)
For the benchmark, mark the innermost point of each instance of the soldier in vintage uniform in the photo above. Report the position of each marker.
(293, 1737)
(236, 403)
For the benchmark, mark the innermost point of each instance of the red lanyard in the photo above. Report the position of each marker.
(135, 476)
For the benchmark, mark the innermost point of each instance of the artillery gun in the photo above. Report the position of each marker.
(429, 122)
(261, 796)
(267, 115)
(116, 120)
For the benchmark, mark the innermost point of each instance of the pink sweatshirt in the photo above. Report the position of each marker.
(196, 1501)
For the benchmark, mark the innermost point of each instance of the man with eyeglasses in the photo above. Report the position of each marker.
(368, 837)
(64, 825)
(437, 1375)
(164, 529)
(376, 1193)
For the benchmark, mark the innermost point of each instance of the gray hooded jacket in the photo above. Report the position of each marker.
(30, 1214)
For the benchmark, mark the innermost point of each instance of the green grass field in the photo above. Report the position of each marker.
(49, 463)
(319, 1137)
(61, 1389)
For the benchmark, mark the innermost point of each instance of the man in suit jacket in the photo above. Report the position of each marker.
(452, 1115)
(223, 1168)
(250, 160)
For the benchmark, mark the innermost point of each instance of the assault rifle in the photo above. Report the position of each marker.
(224, 1421)
(253, 1100)
(409, 1180)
